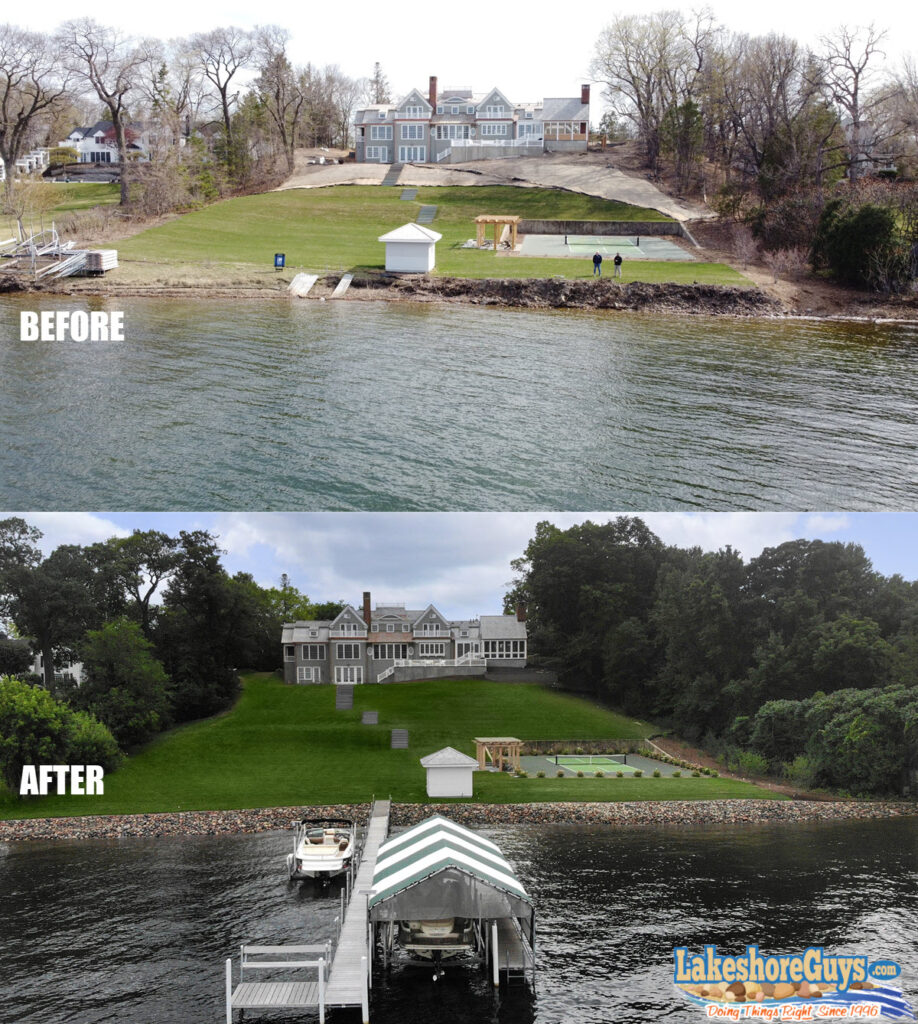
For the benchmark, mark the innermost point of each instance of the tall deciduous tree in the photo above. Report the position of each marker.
(33, 83)
(280, 86)
(110, 63)
(221, 54)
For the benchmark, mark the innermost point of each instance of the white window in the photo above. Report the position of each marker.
(313, 652)
(414, 111)
(412, 154)
(308, 674)
(390, 627)
(412, 131)
(392, 652)
(494, 111)
(289, 653)
(382, 115)
(496, 649)
(313, 632)
(470, 110)
(405, 627)
(348, 628)
(374, 627)
(348, 673)
(452, 131)
(454, 110)
(493, 129)
(527, 130)
(347, 652)
(432, 650)
(463, 632)
(466, 647)
(380, 131)
(439, 108)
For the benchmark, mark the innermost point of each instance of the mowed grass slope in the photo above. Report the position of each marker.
(282, 745)
(336, 229)
(85, 195)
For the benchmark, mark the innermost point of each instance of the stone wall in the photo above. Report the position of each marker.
(628, 228)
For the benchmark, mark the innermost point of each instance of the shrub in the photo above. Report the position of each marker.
(677, 774)
(91, 742)
(656, 773)
(560, 773)
(579, 750)
(696, 774)
(638, 773)
(522, 774)
(799, 771)
(540, 775)
(714, 773)
(579, 775)
(619, 775)
(600, 774)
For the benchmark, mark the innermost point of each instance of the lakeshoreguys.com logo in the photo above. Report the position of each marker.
(813, 985)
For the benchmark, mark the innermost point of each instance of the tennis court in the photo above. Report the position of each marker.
(582, 247)
(609, 764)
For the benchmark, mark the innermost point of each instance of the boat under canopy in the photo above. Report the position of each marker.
(439, 870)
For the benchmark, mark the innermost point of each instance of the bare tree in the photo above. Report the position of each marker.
(281, 87)
(32, 86)
(221, 54)
(848, 77)
(111, 65)
(377, 90)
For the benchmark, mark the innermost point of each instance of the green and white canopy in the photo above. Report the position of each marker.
(439, 869)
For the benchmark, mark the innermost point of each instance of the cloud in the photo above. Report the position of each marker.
(72, 528)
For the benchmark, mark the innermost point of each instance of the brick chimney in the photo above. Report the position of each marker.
(585, 95)
(366, 608)
(432, 92)
(521, 613)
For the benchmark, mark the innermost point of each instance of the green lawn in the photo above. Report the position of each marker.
(285, 745)
(75, 196)
(336, 229)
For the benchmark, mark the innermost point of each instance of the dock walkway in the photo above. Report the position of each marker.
(349, 978)
(349, 967)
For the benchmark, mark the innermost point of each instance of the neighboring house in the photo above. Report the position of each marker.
(36, 160)
(459, 126)
(66, 670)
(96, 143)
(392, 643)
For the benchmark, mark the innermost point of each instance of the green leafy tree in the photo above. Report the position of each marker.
(34, 729)
(125, 686)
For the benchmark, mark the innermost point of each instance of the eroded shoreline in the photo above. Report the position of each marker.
(623, 814)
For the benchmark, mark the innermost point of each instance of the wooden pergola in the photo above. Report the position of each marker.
(499, 221)
(501, 749)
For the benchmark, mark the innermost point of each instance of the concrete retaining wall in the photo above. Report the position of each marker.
(628, 228)
(609, 746)
(412, 674)
(462, 154)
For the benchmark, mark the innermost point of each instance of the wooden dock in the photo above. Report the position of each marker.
(350, 978)
(348, 968)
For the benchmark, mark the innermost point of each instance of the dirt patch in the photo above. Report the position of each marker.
(552, 293)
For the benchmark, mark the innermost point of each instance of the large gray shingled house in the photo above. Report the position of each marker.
(391, 643)
(458, 126)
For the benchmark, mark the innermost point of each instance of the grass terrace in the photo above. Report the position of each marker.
(282, 745)
(336, 229)
(84, 196)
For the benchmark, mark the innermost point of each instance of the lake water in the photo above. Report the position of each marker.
(137, 931)
(367, 405)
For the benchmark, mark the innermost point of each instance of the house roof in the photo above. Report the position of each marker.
(565, 108)
(502, 627)
(437, 846)
(448, 757)
(411, 233)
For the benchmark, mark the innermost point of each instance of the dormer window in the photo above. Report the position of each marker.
(405, 627)
(529, 113)
(494, 111)
(390, 627)
(382, 115)
(454, 110)
(414, 112)
(375, 627)
(470, 110)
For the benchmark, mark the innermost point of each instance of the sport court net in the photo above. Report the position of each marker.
(562, 759)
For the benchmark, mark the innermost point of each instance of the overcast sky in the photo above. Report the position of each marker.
(529, 50)
(459, 561)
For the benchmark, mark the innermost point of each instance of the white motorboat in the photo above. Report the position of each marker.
(322, 848)
(437, 940)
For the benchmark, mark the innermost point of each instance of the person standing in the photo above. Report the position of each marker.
(597, 265)
(618, 264)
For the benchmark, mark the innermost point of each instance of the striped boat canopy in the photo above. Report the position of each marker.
(439, 869)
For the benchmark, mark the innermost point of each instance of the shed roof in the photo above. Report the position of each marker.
(411, 233)
(449, 757)
(441, 869)
(565, 108)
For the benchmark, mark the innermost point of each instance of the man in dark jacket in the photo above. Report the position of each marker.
(597, 265)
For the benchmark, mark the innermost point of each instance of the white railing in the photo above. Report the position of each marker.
(340, 634)
(515, 143)
(442, 156)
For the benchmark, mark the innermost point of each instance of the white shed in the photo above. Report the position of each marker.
(411, 249)
(449, 772)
